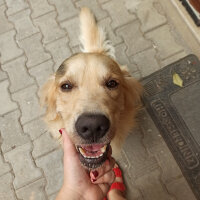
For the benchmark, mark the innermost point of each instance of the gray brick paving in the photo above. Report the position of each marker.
(8, 47)
(15, 7)
(40, 7)
(6, 189)
(28, 103)
(5, 100)
(149, 17)
(5, 25)
(59, 50)
(33, 190)
(23, 24)
(11, 131)
(35, 37)
(34, 50)
(17, 71)
(65, 9)
(4, 167)
(130, 31)
(47, 23)
(148, 65)
(22, 164)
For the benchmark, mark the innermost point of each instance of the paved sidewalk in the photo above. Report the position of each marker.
(35, 37)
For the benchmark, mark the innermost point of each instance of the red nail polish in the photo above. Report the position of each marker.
(60, 131)
(95, 173)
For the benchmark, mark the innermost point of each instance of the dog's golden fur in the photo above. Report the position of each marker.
(88, 72)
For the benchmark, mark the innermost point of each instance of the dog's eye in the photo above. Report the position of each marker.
(66, 87)
(112, 84)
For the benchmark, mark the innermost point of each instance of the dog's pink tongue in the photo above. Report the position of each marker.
(93, 147)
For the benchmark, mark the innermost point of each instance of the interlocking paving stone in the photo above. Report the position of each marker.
(65, 9)
(5, 100)
(164, 41)
(103, 1)
(132, 6)
(137, 75)
(134, 38)
(120, 54)
(40, 7)
(72, 28)
(42, 72)
(53, 196)
(147, 65)
(76, 49)
(17, 73)
(53, 170)
(6, 190)
(173, 58)
(5, 25)
(59, 50)
(34, 50)
(28, 103)
(4, 167)
(33, 191)
(2, 74)
(35, 128)
(171, 170)
(149, 17)
(140, 162)
(8, 47)
(118, 13)
(151, 186)
(15, 6)
(49, 27)
(22, 164)
(156, 147)
(106, 25)
(44, 144)
(94, 6)
(180, 189)
(11, 131)
(132, 191)
(23, 24)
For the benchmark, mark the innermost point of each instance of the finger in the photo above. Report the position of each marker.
(107, 178)
(99, 172)
(68, 146)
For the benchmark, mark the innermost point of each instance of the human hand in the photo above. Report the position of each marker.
(82, 184)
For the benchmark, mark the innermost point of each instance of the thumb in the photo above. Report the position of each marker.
(68, 146)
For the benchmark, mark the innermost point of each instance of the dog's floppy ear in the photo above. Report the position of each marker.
(48, 98)
(93, 37)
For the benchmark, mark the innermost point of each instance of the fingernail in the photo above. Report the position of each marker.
(93, 180)
(60, 131)
(95, 173)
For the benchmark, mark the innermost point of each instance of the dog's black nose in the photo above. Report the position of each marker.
(92, 126)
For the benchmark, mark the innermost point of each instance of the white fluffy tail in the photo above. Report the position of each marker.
(93, 37)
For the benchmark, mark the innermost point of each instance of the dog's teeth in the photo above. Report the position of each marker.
(82, 151)
(103, 149)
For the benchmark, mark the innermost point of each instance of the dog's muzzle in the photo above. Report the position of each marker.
(91, 128)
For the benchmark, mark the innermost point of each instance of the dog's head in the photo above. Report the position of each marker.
(92, 97)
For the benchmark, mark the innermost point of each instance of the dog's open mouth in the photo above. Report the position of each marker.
(93, 155)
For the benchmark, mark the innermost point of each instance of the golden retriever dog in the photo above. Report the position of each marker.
(92, 97)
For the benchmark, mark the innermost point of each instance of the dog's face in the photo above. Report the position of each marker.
(90, 95)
